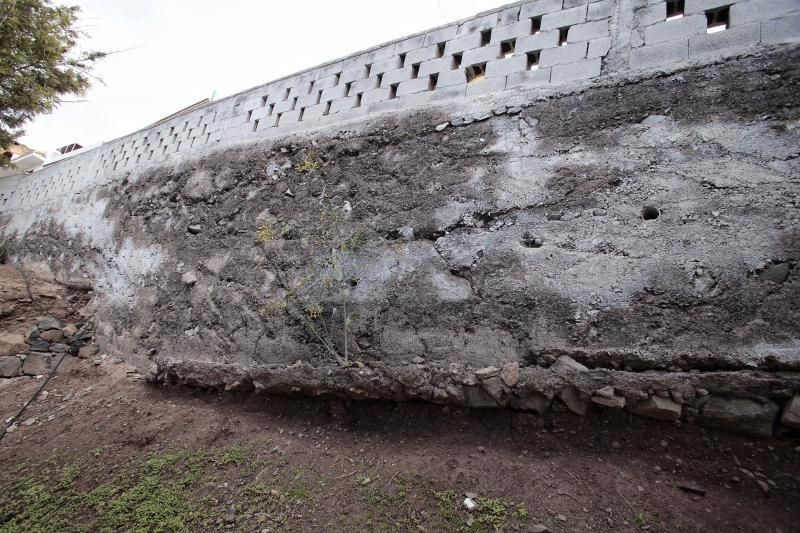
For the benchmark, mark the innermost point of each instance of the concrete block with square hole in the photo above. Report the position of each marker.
(565, 18)
(342, 104)
(602, 9)
(509, 16)
(782, 30)
(529, 78)
(733, 38)
(464, 42)
(478, 24)
(579, 70)
(363, 85)
(675, 30)
(353, 74)
(339, 91)
(415, 86)
(539, 41)
(486, 86)
(376, 95)
(512, 31)
(562, 54)
(451, 77)
(659, 54)
(758, 10)
(506, 66)
(441, 35)
(422, 54)
(325, 83)
(396, 76)
(435, 65)
(599, 47)
(407, 45)
(588, 31)
(539, 8)
(390, 63)
(481, 55)
(289, 117)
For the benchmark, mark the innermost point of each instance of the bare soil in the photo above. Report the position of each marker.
(279, 463)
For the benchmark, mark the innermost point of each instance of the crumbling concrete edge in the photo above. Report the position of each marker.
(751, 402)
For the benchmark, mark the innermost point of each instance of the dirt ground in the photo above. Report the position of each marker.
(106, 451)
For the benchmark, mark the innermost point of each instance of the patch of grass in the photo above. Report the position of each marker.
(491, 515)
(231, 456)
(266, 233)
(310, 163)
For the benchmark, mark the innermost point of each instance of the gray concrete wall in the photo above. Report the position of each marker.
(567, 41)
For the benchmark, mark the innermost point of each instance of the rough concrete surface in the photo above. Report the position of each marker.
(644, 224)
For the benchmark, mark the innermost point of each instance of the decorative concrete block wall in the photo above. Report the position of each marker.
(523, 45)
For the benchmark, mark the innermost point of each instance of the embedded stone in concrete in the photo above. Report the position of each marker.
(532, 402)
(12, 344)
(615, 402)
(9, 366)
(36, 364)
(510, 374)
(739, 415)
(573, 400)
(567, 363)
(658, 408)
(791, 413)
(48, 322)
(52, 335)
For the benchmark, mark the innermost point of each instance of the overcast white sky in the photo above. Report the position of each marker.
(180, 51)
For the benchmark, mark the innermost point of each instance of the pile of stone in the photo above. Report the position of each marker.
(38, 352)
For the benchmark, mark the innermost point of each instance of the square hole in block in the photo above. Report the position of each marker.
(415, 71)
(562, 36)
(269, 114)
(440, 50)
(476, 72)
(507, 48)
(536, 25)
(533, 60)
(294, 103)
(486, 37)
(457, 61)
(255, 124)
(433, 81)
(717, 19)
(286, 94)
(675, 9)
(369, 70)
(302, 112)
(380, 79)
(327, 108)
(347, 87)
(393, 91)
(402, 60)
(358, 100)
(249, 115)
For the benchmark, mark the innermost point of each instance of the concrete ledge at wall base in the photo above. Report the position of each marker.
(746, 402)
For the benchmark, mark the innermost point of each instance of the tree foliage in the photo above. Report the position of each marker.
(39, 62)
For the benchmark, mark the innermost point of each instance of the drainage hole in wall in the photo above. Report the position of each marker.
(529, 241)
(650, 213)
